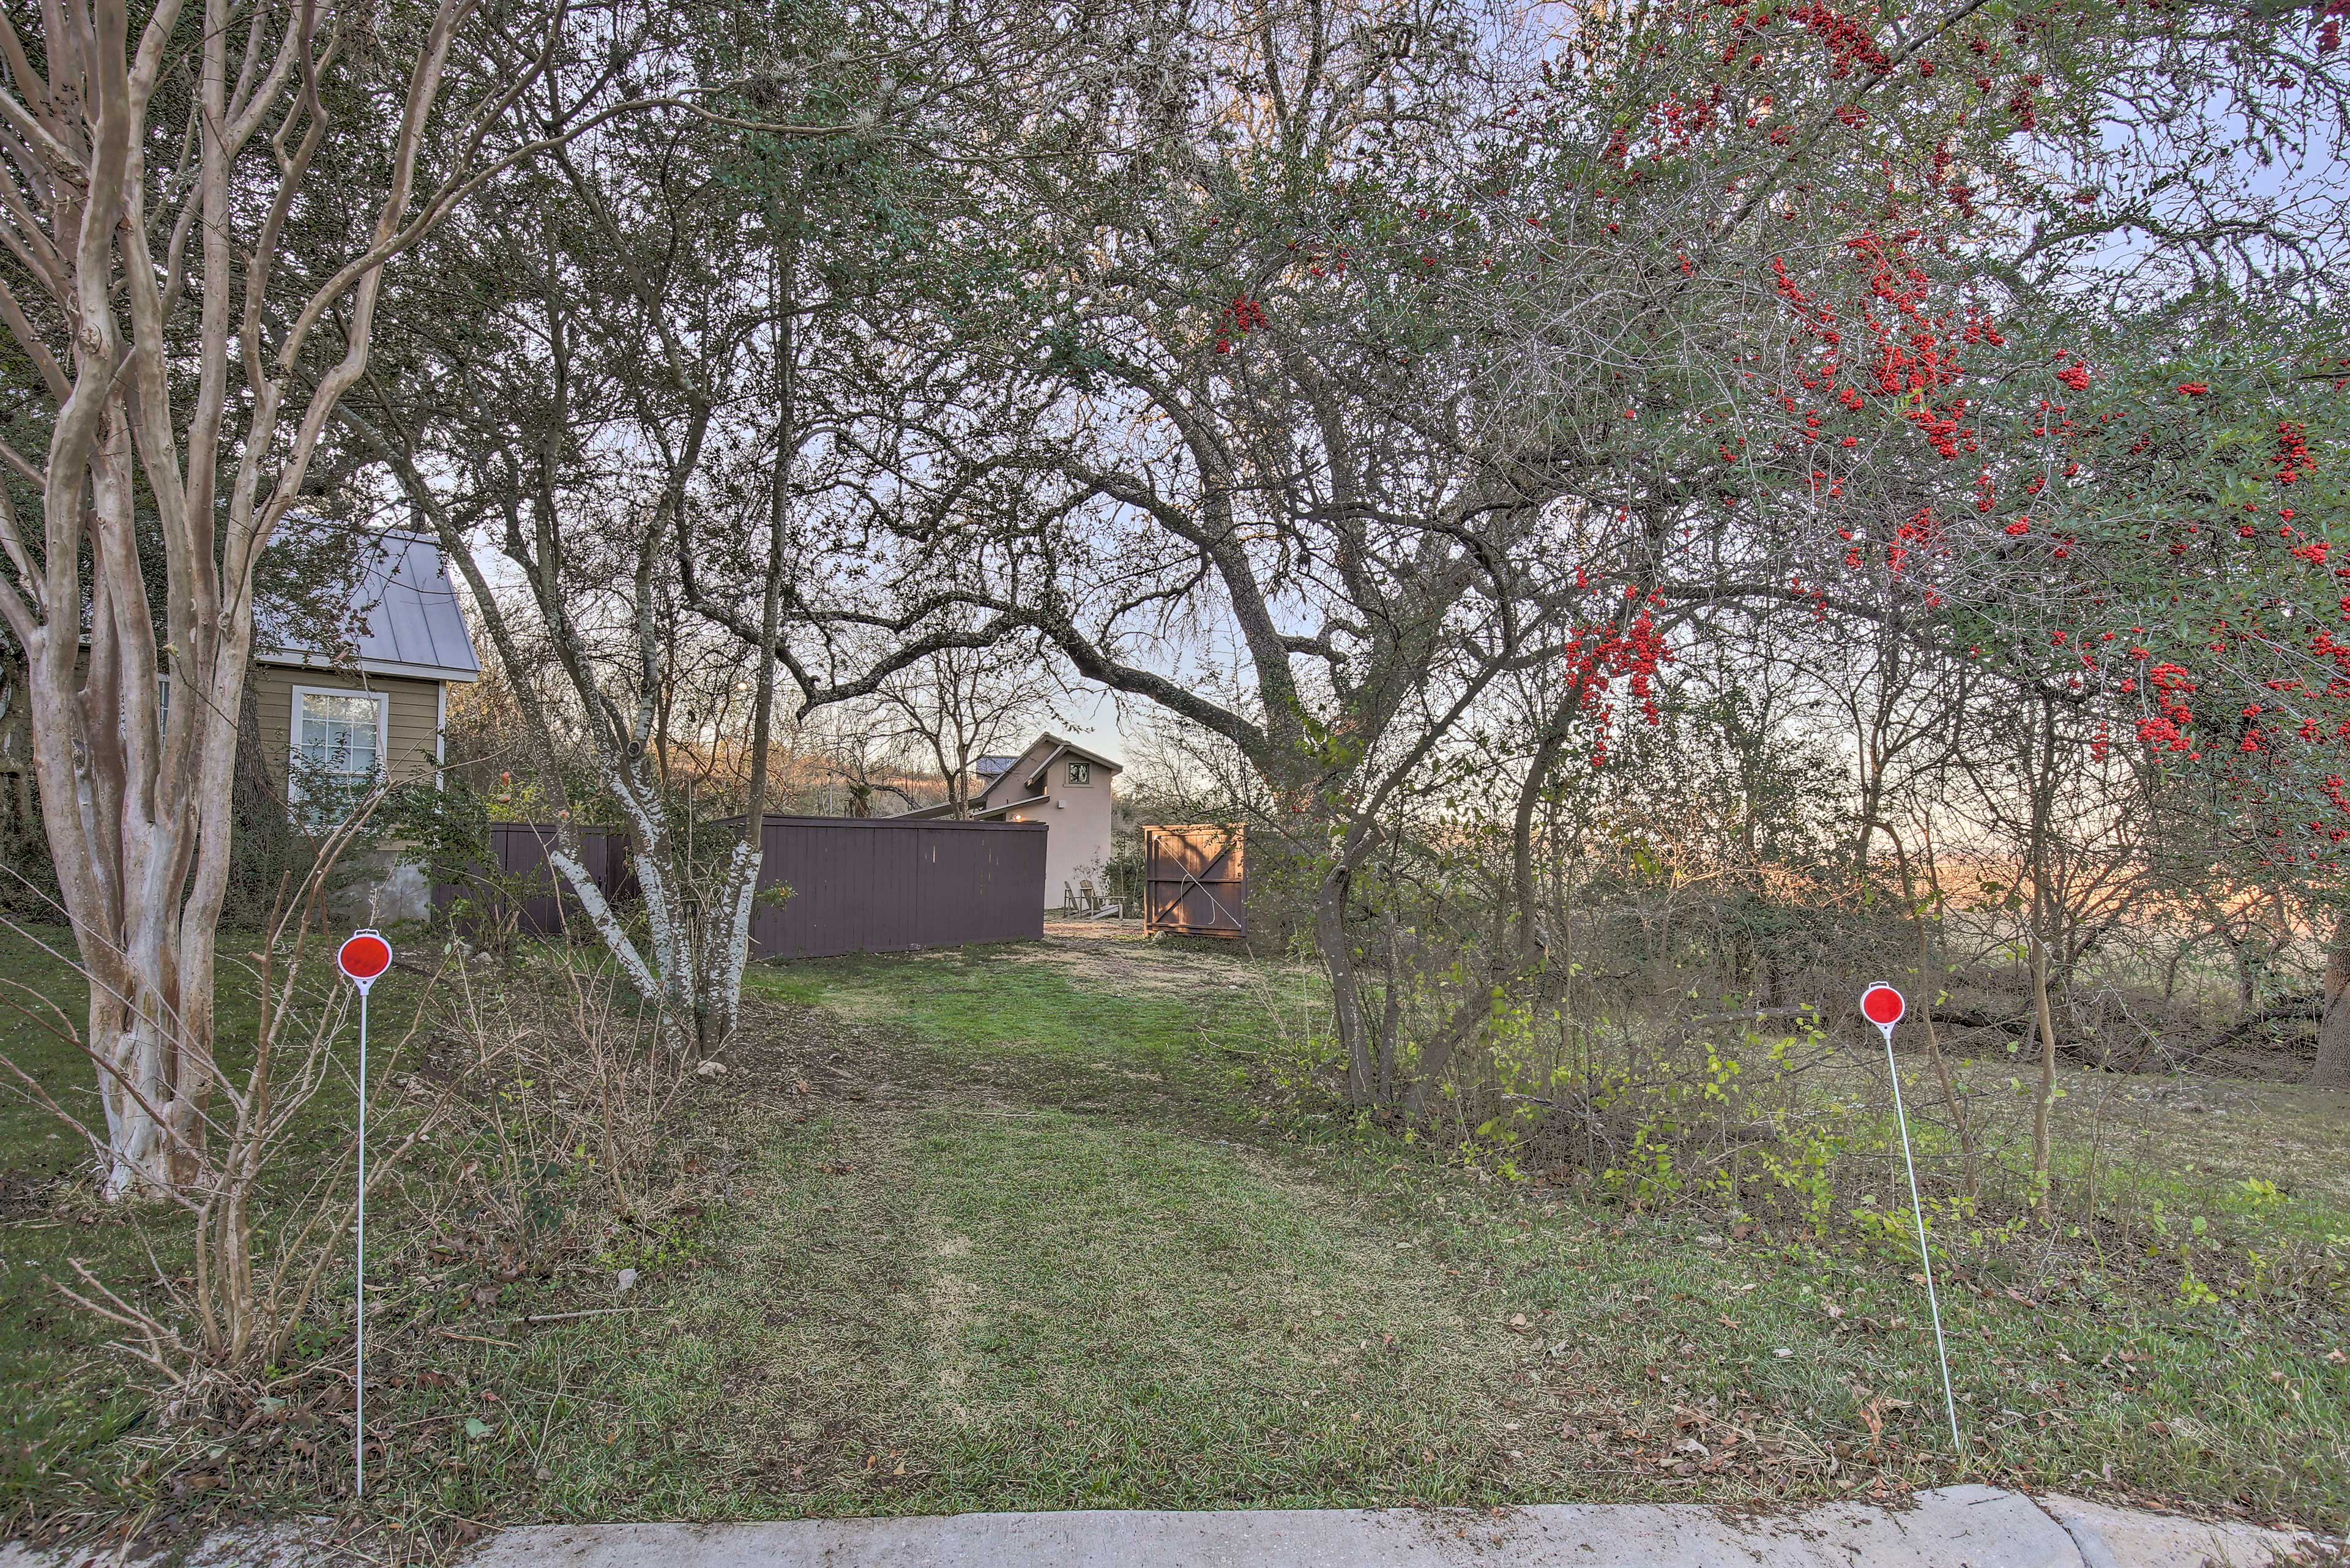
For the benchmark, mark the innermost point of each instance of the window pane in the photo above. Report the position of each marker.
(337, 742)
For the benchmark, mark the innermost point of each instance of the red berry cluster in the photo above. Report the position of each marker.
(2168, 728)
(1848, 43)
(1241, 317)
(1600, 655)
(2292, 450)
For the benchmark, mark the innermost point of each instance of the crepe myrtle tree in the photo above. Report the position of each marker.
(565, 414)
(198, 204)
(656, 378)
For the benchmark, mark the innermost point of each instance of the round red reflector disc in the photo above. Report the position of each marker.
(1883, 1005)
(363, 955)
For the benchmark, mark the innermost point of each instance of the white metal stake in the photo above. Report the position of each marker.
(363, 958)
(1918, 1209)
(358, 1304)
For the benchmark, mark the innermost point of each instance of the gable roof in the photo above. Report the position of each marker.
(1023, 776)
(411, 624)
(1056, 748)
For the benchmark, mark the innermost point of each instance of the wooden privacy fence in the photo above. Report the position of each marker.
(885, 885)
(870, 884)
(543, 905)
(1195, 880)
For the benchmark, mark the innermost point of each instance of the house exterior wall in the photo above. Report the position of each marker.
(1077, 822)
(391, 887)
(412, 726)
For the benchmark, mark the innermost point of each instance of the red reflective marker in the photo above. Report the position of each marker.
(363, 958)
(1882, 1005)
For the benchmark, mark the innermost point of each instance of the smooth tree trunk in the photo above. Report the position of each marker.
(692, 977)
(689, 969)
(2043, 1100)
(2040, 917)
(184, 402)
(1335, 943)
(2332, 1069)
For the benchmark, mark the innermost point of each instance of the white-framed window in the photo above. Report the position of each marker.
(1081, 772)
(340, 740)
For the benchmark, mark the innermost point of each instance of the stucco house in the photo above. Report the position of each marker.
(336, 718)
(1060, 784)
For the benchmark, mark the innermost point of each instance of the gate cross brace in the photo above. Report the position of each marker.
(1190, 880)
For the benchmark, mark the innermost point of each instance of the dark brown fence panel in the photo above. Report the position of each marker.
(859, 885)
(1195, 880)
(519, 850)
(880, 885)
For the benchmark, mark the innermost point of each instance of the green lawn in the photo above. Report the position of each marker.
(1018, 1228)
(59, 1440)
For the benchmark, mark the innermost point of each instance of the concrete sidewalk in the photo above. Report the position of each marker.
(1957, 1527)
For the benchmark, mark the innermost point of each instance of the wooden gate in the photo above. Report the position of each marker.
(1195, 880)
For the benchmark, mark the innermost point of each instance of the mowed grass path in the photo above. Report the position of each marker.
(1035, 1247)
(1025, 1262)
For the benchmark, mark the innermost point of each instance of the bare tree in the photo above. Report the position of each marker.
(962, 704)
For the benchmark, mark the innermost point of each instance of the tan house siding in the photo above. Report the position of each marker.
(413, 725)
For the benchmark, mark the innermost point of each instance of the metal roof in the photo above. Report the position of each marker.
(411, 624)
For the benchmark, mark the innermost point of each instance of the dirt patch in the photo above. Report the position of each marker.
(1136, 966)
(1096, 930)
(26, 1193)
